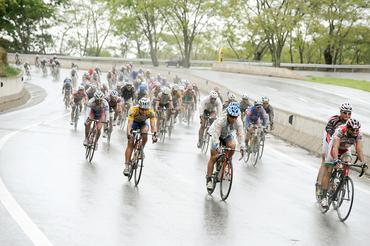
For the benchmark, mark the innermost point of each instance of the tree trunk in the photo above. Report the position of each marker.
(328, 55)
(153, 56)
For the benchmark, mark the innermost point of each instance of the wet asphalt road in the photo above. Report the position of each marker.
(73, 202)
(314, 100)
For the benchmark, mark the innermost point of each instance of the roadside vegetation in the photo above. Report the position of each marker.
(351, 83)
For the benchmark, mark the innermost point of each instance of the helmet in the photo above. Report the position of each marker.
(346, 106)
(67, 80)
(213, 94)
(81, 87)
(157, 84)
(144, 103)
(233, 110)
(98, 95)
(166, 90)
(244, 96)
(189, 87)
(129, 82)
(114, 93)
(181, 87)
(353, 124)
(232, 97)
(265, 99)
(175, 88)
(142, 87)
(258, 102)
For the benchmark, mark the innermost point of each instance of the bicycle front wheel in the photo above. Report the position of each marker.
(226, 180)
(344, 199)
(261, 147)
(255, 153)
(139, 168)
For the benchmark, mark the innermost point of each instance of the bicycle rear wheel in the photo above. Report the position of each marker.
(226, 179)
(344, 198)
(139, 167)
(261, 147)
(77, 112)
(92, 143)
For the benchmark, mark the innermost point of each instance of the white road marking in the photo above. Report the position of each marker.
(11, 205)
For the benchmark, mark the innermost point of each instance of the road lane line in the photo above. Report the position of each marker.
(286, 156)
(19, 215)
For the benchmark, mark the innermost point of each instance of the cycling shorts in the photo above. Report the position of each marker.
(329, 159)
(138, 125)
(223, 141)
(97, 115)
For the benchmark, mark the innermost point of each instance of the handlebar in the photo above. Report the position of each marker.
(363, 166)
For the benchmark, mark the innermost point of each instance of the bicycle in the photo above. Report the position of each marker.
(122, 120)
(67, 98)
(206, 137)
(90, 147)
(137, 158)
(162, 124)
(110, 126)
(340, 193)
(170, 126)
(76, 115)
(188, 113)
(255, 145)
(223, 173)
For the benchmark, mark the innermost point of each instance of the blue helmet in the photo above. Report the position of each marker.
(142, 88)
(233, 109)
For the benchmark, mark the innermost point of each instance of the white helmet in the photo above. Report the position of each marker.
(213, 94)
(114, 93)
(98, 95)
(232, 97)
(265, 99)
(258, 102)
(244, 96)
(81, 88)
(129, 82)
(175, 87)
(166, 90)
(346, 106)
(181, 87)
(144, 103)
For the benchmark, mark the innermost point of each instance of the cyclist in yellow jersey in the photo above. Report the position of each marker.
(137, 119)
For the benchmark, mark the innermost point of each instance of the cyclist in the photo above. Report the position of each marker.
(164, 100)
(27, 69)
(115, 105)
(223, 131)
(77, 98)
(37, 61)
(104, 89)
(90, 91)
(210, 106)
(230, 98)
(244, 105)
(43, 67)
(137, 119)
(254, 116)
(197, 92)
(333, 123)
(142, 91)
(17, 59)
(74, 76)
(216, 89)
(189, 98)
(176, 100)
(99, 110)
(128, 92)
(67, 88)
(269, 110)
(340, 148)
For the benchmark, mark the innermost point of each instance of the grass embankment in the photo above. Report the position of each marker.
(351, 83)
(8, 71)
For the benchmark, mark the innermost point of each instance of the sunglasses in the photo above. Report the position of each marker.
(233, 117)
(346, 112)
(354, 130)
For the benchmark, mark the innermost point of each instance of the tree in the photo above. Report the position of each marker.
(276, 19)
(185, 20)
(338, 17)
(21, 22)
(144, 16)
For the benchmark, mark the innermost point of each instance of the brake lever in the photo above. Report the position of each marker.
(364, 167)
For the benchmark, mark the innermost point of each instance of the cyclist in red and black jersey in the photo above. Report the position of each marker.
(340, 148)
(333, 123)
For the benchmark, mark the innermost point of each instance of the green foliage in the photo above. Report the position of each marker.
(8, 71)
(351, 83)
(21, 22)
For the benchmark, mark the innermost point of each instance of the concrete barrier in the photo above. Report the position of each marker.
(12, 92)
(256, 70)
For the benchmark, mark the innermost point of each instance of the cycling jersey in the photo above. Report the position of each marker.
(346, 141)
(77, 97)
(164, 99)
(254, 117)
(141, 95)
(221, 129)
(270, 111)
(113, 103)
(127, 93)
(244, 105)
(209, 106)
(134, 115)
(97, 111)
(67, 86)
(188, 96)
(332, 125)
(175, 98)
